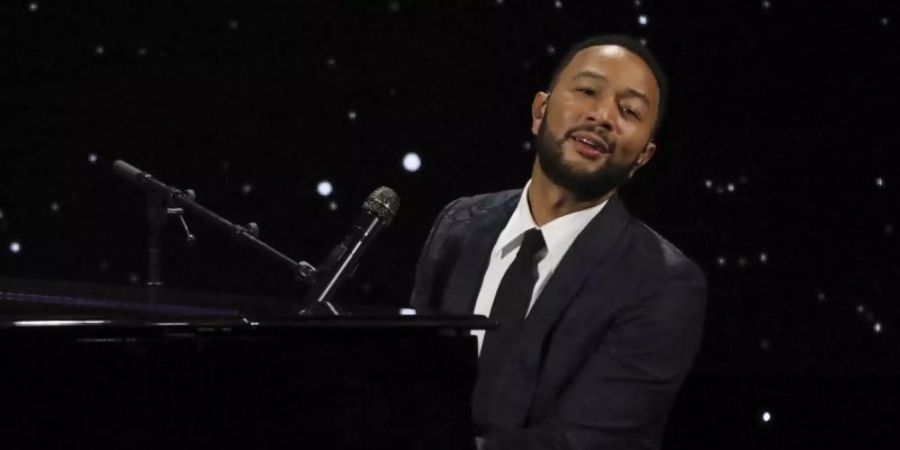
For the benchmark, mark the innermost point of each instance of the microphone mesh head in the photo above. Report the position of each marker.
(383, 202)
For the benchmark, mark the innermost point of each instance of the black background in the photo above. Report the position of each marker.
(793, 106)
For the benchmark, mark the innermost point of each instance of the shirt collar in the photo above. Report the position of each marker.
(559, 234)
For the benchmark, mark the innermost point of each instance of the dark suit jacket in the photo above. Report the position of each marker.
(605, 347)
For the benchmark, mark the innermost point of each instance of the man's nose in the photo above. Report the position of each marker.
(603, 113)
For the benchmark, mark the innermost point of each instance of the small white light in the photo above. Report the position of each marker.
(637, 3)
(884, 21)
(2, 215)
(860, 308)
(879, 182)
(93, 158)
(877, 327)
(412, 162)
(721, 261)
(99, 49)
(332, 205)
(351, 115)
(247, 188)
(331, 62)
(526, 145)
(142, 51)
(499, 2)
(15, 247)
(325, 188)
(133, 278)
(708, 184)
(766, 4)
(551, 50)
(730, 187)
(407, 312)
(821, 296)
(763, 257)
(33, 6)
(643, 41)
(233, 24)
(558, 4)
(54, 207)
(642, 19)
(766, 417)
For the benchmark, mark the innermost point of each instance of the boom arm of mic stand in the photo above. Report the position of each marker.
(302, 270)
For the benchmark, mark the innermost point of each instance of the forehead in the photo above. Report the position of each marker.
(621, 67)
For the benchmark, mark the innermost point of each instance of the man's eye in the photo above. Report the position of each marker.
(586, 91)
(630, 112)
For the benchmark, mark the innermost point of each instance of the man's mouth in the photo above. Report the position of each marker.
(590, 145)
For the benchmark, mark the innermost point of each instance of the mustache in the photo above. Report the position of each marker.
(601, 132)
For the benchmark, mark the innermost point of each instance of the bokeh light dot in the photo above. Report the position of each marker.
(324, 188)
(412, 162)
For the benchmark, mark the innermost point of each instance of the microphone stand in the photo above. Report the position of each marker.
(184, 201)
(156, 218)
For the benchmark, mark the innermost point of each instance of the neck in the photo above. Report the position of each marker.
(549, 201)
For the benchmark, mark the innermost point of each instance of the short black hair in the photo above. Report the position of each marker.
(632, 45)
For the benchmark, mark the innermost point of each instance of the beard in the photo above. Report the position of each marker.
(584, 185)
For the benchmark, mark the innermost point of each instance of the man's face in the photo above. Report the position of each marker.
(593, 129)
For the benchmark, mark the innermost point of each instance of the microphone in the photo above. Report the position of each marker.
(377, 212)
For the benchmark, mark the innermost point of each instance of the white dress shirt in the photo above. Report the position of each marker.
(558, 235)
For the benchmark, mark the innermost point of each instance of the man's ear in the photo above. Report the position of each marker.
(538, 111)
(643, 158)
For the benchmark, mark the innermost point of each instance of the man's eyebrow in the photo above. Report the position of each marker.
(589, 74)
(631, 91)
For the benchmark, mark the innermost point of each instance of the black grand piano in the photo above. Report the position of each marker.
(120, 367)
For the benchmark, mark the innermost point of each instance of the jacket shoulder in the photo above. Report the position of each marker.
(464, 209)
(659, 255)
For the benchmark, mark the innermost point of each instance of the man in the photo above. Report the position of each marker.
(600, 317)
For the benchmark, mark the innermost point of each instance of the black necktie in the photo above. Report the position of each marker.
(509, 308)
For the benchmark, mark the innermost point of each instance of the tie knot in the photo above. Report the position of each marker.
(532, 242)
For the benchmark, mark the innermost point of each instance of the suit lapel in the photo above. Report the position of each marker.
(519, 379)
(480, 235)
(585, 254)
